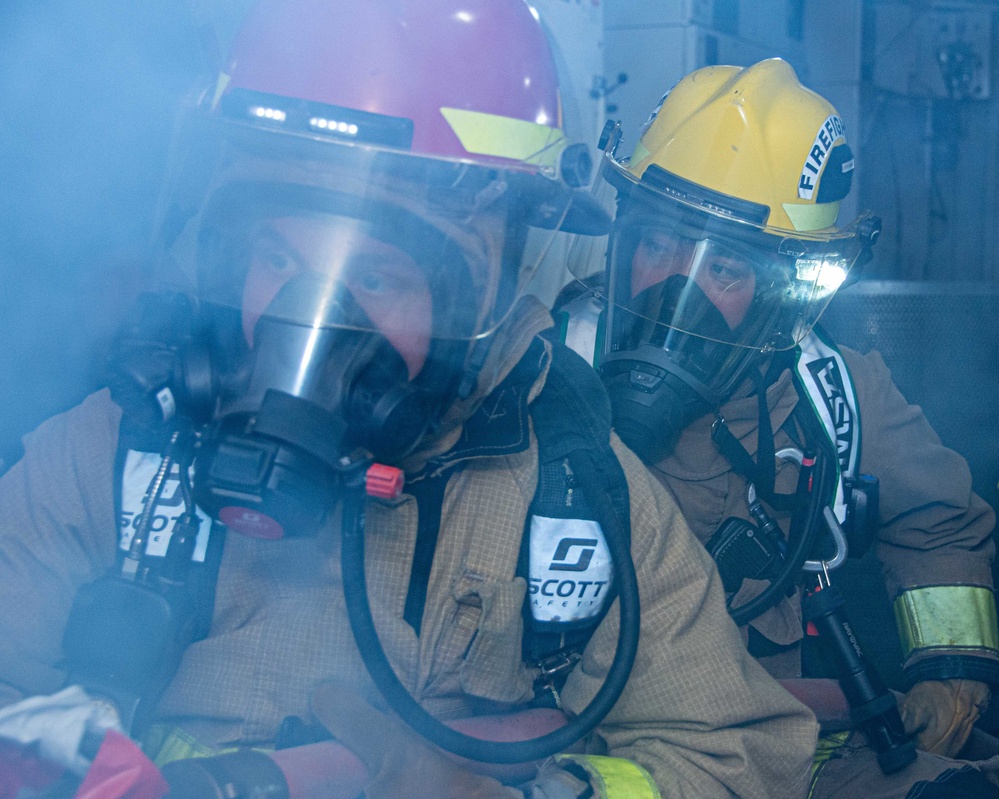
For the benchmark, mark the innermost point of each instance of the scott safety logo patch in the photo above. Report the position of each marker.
(137, 479)
(570, 569)
(825, 372)
(831, 131)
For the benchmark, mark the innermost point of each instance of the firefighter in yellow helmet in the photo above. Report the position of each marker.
(724, 252)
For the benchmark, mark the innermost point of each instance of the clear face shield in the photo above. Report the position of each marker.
(307, 233)
(696, 294)
(716, 294)
(347, 288)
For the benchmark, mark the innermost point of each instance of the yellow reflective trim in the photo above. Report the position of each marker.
(805, 217)
(947, 617)
(506, 137)
(165, 744)
(825, 750)
(615, 777)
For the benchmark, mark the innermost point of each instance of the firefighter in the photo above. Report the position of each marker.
(702, 322)
(360, 369)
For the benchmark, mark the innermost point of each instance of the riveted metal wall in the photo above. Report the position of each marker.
(930, 141)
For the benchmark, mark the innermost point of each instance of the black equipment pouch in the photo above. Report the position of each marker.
(124, 641)
(741, 551)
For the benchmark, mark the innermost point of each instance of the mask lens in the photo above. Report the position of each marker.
(725, 277)
(339, 258)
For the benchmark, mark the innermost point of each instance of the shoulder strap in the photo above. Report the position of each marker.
(572, 425)
(572, 414)
(136, 460)
(429, 495)
(762, 471)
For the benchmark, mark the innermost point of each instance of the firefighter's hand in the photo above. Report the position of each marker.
(942, 712)
(554, 782)
(400, 763)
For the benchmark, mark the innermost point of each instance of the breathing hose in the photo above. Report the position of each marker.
(400, 700)
(806, 521)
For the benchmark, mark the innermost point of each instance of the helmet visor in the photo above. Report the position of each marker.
(413, 247)
(677, 266)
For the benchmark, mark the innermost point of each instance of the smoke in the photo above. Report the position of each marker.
(89, 92)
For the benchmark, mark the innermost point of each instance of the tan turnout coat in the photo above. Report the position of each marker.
(934, 529)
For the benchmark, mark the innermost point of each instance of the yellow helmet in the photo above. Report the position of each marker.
(740, 171)
(755, 134)
(724, 247)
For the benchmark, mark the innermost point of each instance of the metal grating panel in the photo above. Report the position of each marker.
(941, 341)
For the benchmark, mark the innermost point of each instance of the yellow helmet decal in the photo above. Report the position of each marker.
(831, 133)
(506, 137)
(806, 217)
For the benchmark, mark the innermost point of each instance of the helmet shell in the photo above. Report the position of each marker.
(428, 61)
(756, 134)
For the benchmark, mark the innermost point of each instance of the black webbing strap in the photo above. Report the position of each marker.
(429, 495)
(572, 414)
(762, 472)
(202, 578)
(572, 422)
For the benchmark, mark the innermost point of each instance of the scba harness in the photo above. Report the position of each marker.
(127, 633)
(826, 419)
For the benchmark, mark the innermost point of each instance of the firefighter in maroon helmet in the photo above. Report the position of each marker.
(352, 203)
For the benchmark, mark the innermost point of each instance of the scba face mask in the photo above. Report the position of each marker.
(301, 399)
(343, 333)
(696, 297)
(661, 378)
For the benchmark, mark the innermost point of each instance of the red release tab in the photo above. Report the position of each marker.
(383, 481)
(811, 629)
